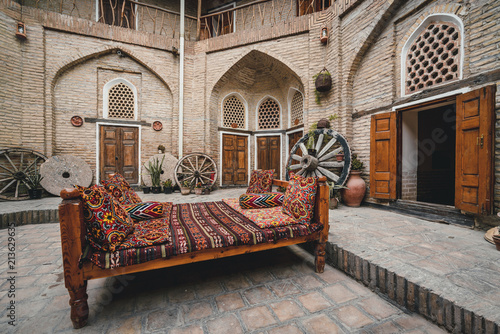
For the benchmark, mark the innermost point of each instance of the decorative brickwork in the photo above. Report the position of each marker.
(297, 109)
(233, 112)
(434, 57)
(269, 114)
(121, 102)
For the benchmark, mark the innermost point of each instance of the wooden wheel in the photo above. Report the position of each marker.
(196, 168)
(322, 161)
(15, 165)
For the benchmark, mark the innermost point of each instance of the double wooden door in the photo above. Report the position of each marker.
(268, 154)
(475, 114)
(119, 152)
(234, 160)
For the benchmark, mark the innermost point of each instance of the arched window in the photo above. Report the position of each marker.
(233, 113)
(297, 109)
(120, 99)
(269, 114)
(433, 54)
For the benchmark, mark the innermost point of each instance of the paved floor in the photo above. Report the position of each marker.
(269, 292)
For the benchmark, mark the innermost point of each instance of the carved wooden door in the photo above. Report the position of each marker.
(234, 160)
(119, 152)
(383, 156)
(474, 150)
(268, 154)
(293, 138)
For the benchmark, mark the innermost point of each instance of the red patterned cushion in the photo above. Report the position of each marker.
(107, 222)
(261, 181)
(260, 201)
(121, 190)
(299, 198)
(145, 210)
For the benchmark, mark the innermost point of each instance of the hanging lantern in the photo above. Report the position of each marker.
(21, 30)
(324, 35)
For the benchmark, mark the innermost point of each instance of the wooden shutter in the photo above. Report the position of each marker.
(383, 156)
(474, 150)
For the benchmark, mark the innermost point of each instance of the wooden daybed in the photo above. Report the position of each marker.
(77, 272)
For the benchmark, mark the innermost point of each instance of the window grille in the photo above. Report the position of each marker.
(297, 109)
(269, 114)
(434, 57)
(233, 113)
(121, 101)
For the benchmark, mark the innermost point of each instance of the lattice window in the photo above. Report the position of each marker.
(297, 109)
(233, 113)
(434, 57)
(121, 101)
(269, 114)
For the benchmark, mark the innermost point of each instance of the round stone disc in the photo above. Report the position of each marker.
(64, 171)
(167, 169)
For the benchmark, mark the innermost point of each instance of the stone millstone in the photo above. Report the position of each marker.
(64, 171)
(168, 168)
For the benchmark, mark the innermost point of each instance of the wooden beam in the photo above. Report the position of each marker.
(235, 8)
(198, 21)
(161, 9)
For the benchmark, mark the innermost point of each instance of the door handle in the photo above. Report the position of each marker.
(482, 141)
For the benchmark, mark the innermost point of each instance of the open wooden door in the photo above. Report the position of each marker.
(474, 150)
(383, 156)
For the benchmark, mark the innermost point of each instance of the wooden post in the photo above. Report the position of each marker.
(322, 214)
(198, 22)
(72, 224)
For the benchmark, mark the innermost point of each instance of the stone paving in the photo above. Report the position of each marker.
(269, 292)
(448, 274)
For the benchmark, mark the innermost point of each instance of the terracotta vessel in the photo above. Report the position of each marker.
(357, 188)
(185, 191)
(334, 203)
(496, 240)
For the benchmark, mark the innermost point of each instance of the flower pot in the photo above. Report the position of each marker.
(185, 191)
(496, 240)
(156, 190)
(340, 157)
(311, 151)
(146, 190)
(334, 203)
(167, 190)
(206, 191)
(353, 196)
(198, 191)
(323, 81)
(35, 193)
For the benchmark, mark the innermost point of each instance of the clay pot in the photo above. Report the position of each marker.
(334, 203)
(357, 188)
(323, 81)
(340, 157)
(198, 191)
(185, 191)
(496, 240)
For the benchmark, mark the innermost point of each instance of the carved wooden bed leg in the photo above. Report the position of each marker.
(319, 260)
(79, 307)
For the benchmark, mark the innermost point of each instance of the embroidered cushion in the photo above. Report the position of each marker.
(260, 201)
(107, 222)
(121, 190)
(299, 198)
(261, 181)
(144, 210)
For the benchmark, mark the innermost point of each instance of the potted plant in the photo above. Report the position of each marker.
(322, 83)
(145, 189)
(198, 189)
(206, 189)
(161, 149)
(335, 195)
(34, 180)
(185, 187)
(353, 196)
(154, 170)
(340, 156)
(167, 186)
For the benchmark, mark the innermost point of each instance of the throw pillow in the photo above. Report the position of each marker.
(261, 181)
(121, 190)
(107, 222)
(144, 211)
(299, 198)
(259, 201)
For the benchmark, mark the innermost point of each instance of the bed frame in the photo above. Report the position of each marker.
(73, 242)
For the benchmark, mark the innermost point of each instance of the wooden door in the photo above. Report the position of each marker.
(234, 160)
(268, 154)
(119, 152)
(293, 138)
(383, 156)
(474, 150)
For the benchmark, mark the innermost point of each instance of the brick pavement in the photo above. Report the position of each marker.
(269, 292)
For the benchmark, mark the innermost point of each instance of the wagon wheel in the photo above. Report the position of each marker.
(15, 166)
(196, 168)
(323, 162)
